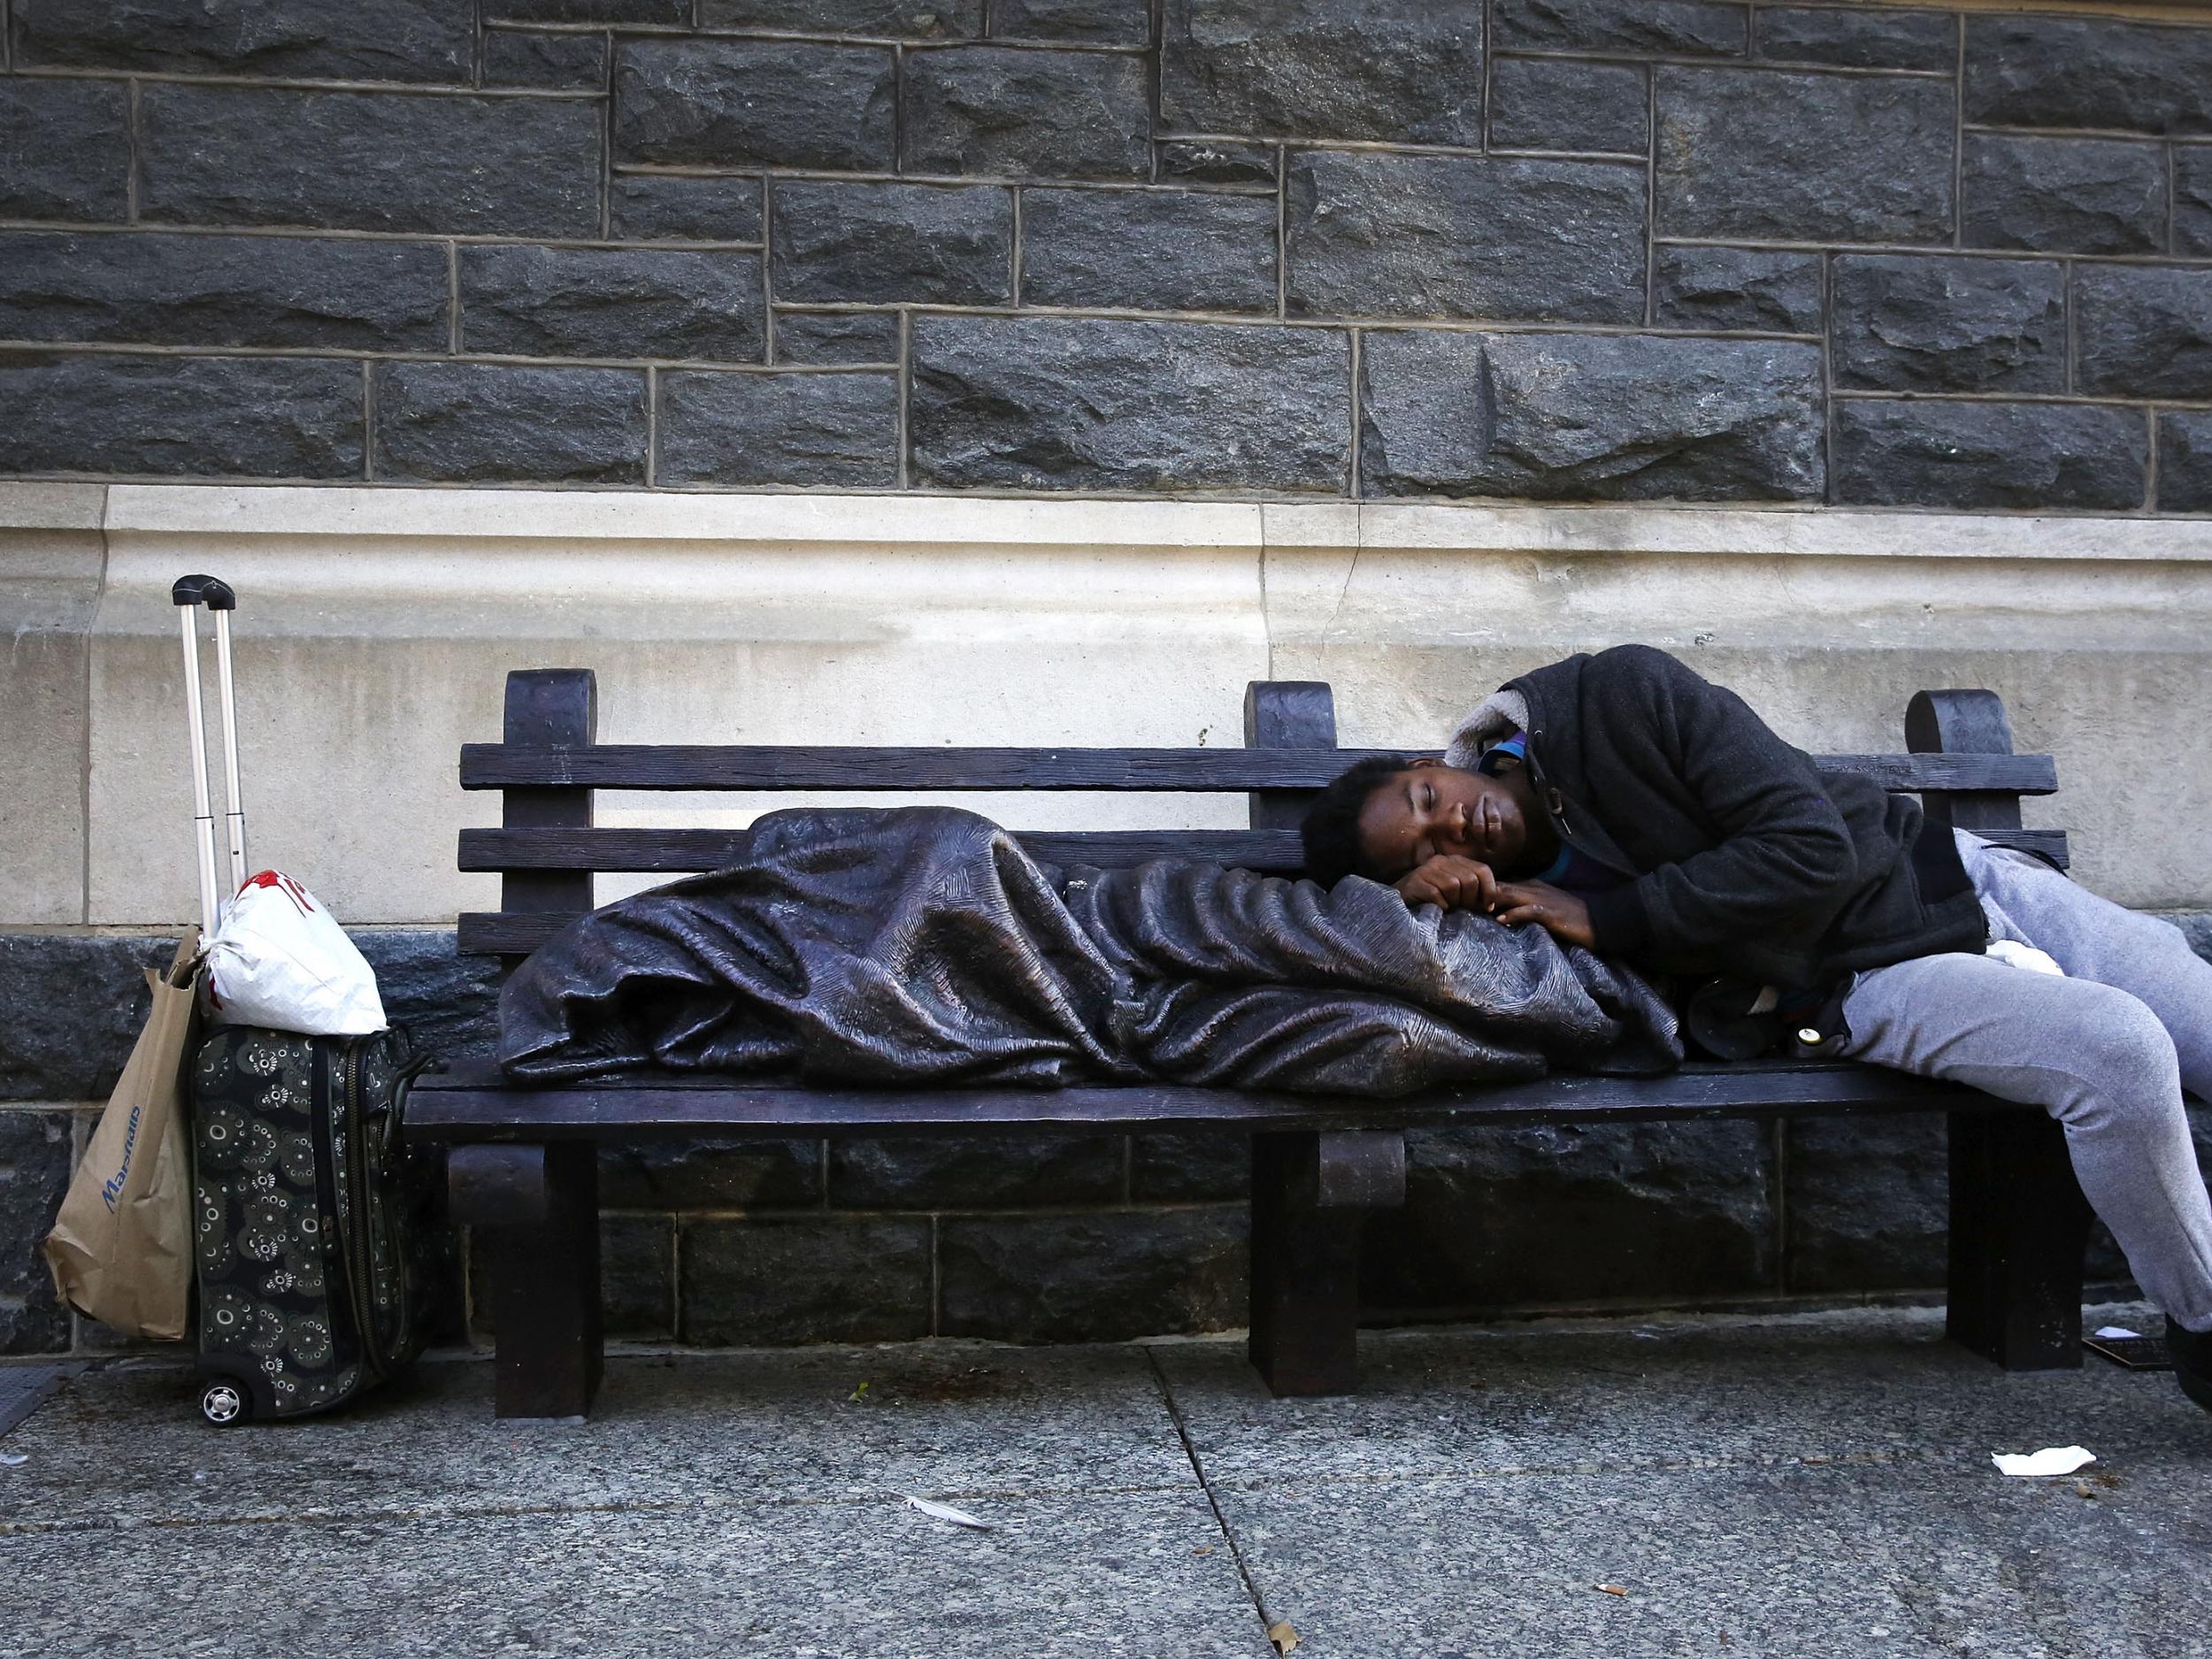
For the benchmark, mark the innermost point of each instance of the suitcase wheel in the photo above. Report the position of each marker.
(224, 1403)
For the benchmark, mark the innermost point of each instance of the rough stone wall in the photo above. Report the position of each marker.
(1558, 249)
(1032, 1237)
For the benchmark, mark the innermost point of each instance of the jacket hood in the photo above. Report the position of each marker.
(1499, 714)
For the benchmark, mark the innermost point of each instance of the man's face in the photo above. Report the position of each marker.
(1429, 809)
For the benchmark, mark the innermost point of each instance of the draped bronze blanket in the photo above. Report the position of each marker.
(922, 945)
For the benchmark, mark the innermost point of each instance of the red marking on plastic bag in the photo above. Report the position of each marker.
(283, 884)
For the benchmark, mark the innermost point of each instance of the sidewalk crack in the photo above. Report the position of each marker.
(1221, 1521)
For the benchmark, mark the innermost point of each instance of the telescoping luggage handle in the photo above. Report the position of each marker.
(190, 593)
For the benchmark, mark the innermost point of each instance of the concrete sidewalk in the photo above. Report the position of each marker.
(1809, 1485)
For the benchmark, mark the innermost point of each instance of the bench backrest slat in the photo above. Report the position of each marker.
(1216, 771)
(618, 850)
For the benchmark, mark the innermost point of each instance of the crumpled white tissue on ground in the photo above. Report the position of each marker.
(2052, 1460)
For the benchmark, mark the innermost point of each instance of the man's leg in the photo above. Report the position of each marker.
(2093, 938)
(2093, 1054)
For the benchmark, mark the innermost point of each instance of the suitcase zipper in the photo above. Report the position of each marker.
(391, 1166)
(355, 1243)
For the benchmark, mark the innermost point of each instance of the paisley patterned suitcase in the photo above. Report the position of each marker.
(307, 1219)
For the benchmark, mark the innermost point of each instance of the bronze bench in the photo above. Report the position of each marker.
(522, 1160)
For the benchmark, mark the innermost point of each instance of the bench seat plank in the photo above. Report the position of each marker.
(1216, 771)
(475, 1103)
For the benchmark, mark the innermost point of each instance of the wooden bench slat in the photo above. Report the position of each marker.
(633, 852)
(1217, 771)
(477, 1106)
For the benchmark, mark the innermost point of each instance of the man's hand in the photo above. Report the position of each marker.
(1455, 883)
(1564, 916)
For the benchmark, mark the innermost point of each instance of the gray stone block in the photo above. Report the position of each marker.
(173, 290)
(997, 1170)
(2195, 926)
(1929, 454)
(369, 160)
(898, 20)
(1497, 1217)
(612, 303)
(835, 430)
(449, 1002)
(1752, 288)
(813, 1279)
(95, 1338)
(836, 337)
(711, 1172)
(425, 41)
(1048, 1278)
(444, 1260)
(674, 11)
(2193, 200)
(1793, 156)
(2096, 74)
(1190, 1166)
(1561, 103)
(1209, 161)
(1590, 417)
(2062, 195)
(542, 58)
(838, 430)
(172, 417)
(1095, 22)
(865, 243)
(1169, 251)
(485, 422)
(2185, 484)
(1052, 403)
(1397, 70)
(65, 150)
(1375, 235)
(1864, 37)
(75, 1003)
(1943, 323)
(36, 1161)
(1008, 111)
(1680, 28)
(637, 1279)
(735, 103)
(637, 1276)
(1866, 1204)
(671, 207)
(2143, 331)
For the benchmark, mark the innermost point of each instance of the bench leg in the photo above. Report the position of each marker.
(537, 1210)
(1308, 1193)
(2019, 1226)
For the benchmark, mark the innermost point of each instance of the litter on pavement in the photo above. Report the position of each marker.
(2052, 1460)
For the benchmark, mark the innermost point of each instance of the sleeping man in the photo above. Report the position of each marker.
(1627, 805)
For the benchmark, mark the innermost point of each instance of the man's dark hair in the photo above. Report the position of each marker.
(1330, 827)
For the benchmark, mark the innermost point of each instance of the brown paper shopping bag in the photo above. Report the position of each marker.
(121, 1248)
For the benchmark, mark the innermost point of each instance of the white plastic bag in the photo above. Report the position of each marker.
(279, 960)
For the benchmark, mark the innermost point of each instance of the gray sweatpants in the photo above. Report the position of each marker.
(2107, 1050)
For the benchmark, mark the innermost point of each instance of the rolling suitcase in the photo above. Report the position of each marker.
(308, 1215)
